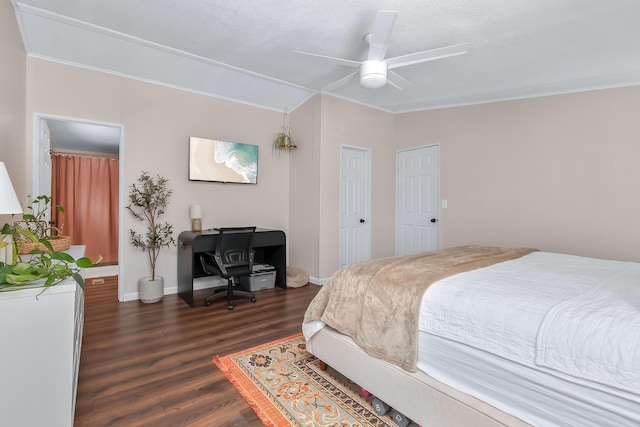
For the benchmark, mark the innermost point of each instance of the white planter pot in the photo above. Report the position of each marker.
(150, 291)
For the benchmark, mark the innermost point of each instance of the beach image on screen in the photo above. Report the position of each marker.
(213, 160)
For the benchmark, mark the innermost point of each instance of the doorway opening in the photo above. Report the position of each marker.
(68, 154)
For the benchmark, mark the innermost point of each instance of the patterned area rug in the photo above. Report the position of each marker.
(283, 383)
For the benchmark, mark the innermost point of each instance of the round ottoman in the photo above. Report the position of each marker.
(296, 277)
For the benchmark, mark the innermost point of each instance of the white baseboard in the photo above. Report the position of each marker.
(130, 297)
(198, 284)
(317, 281)
(207, 283)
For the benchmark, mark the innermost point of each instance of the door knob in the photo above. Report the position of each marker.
(434, 220)
(361, 220)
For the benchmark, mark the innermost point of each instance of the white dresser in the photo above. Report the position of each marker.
(40, 339)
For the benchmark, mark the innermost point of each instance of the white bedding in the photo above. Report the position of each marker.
(536, 397)
(522, 310)
(596, 335)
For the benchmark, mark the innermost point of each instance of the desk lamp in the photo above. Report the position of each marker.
(195, 212)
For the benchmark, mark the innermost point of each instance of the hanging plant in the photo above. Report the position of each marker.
(284, 140)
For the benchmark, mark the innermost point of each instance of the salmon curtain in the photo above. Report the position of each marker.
(87, 188)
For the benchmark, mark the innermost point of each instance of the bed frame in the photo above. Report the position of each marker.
(416, 395)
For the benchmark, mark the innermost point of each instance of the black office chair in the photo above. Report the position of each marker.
(232, 259)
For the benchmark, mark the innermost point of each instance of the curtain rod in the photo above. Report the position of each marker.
(84, 154)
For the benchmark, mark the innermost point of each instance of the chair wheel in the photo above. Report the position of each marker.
(207, 303)
(229, 307)
(253, 299)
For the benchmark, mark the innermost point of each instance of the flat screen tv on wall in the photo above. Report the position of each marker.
(222, 161)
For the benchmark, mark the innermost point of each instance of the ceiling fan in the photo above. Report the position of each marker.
(376, 71)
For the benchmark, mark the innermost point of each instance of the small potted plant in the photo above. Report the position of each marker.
(148, 200)
(34, 221)
(45, 266)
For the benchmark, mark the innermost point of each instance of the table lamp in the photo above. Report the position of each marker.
(9, 204)
(195, 212)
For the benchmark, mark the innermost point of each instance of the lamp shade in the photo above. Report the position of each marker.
(9, 203)
(195, 212)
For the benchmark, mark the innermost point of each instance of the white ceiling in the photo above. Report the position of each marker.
(243, 49)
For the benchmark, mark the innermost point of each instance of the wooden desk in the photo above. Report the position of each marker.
(270, 247)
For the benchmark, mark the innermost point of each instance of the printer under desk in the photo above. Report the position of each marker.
(263, 276)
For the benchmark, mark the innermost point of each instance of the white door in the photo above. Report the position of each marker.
(355, 205)
(417, 200)
(42, 162)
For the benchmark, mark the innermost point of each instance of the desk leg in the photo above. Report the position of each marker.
(185, 273)
(279, 261)
(187, 295)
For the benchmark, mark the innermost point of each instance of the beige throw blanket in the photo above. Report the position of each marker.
(377, 302)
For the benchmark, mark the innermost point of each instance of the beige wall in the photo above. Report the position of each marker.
(346, 123)
(158, 122)
(323, 125)
(12, 101)
(559, 173)
(304, 187)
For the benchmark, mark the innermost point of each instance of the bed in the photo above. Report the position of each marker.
(487, 336)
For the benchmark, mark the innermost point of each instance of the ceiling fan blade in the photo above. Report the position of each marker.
(427, 55)
(397, 81)
(346, 62)
(385, 20)
(340, 82)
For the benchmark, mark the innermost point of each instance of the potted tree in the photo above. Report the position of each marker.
(148, 200)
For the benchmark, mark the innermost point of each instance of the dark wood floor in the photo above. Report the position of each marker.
(150, 364)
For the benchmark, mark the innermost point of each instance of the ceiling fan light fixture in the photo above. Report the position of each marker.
(373, 74)
(373, 71)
